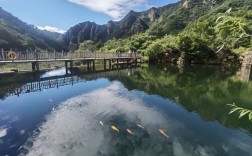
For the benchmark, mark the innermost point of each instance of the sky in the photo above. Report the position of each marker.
(60, 15)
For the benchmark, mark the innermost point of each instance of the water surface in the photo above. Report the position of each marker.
(189, 104)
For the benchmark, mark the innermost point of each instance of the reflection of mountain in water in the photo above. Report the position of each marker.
(205, 90)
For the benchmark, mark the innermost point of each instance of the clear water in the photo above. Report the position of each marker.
(188, 104)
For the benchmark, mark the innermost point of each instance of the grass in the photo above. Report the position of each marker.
(27, 66)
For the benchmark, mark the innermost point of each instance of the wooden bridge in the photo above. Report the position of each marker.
(114, 59)
(38, 85)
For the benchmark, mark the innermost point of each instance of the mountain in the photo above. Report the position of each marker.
(130, 25)
(18, 35)
(169, 19)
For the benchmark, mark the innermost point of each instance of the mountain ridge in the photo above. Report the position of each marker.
(155, 21)
(16, 34)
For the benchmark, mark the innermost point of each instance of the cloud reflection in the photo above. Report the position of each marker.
(54, 72)
(74, 128)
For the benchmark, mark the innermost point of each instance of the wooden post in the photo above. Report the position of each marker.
(89, 65)
(71, 64)
(3, 55)
(93, 65)
(57, 83)
(26, 56)
(128, 64)
(110, 62)
(36, 55)
(117, 63)
(66, 67)
(104, 61)
(54, 54)
(37, 66)
(33, 66)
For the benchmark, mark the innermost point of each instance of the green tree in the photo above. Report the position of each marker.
(87, 46)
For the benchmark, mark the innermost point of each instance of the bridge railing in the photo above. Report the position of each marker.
(34, 56)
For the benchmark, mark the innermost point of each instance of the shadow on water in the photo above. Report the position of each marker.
(19, 83)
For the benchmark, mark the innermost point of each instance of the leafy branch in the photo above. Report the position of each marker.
(242, 111)
(231, 29)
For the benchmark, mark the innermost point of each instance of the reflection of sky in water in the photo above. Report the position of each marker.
(74, 129)
(55, 72)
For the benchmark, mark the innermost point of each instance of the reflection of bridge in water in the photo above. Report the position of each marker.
(38, 85)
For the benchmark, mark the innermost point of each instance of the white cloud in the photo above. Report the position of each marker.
(52, 29)
(3, 132)
(114, 8)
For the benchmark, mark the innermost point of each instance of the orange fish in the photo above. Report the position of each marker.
(162, 132)
(115, 129)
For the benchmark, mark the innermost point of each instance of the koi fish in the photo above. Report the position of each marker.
(140, 126)
(129, 131)
(53, 109)
(101, 123)
(114, 128)
(163, 133)
(50, 100)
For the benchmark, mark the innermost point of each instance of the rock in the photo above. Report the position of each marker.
(230, 57)
(153, 14)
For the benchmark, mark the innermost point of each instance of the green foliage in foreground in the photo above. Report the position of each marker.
(241, 111)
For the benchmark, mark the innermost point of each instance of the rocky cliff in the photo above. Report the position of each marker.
(169, 19)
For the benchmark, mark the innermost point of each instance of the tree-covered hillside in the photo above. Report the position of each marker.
(169, 19)
(18, 35)
(221, 26)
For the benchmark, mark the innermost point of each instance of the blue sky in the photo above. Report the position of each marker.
(64, 14)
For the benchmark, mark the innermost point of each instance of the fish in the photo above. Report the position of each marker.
(163, 133)
(101, 123)
(50, 100)
(140, 126)
(129, 131)
(53, 109)
(115, 129)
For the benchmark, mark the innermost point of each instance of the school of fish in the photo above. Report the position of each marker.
(114, 128)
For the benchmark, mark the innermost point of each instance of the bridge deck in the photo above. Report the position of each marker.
(25, 57)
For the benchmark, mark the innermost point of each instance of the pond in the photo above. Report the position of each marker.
(150, 111)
